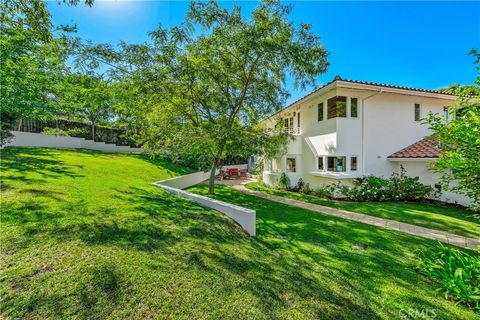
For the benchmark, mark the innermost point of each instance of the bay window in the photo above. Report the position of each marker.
(337, 107)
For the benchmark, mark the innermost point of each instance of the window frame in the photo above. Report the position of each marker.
(335, 164)
(294, 164)
(320, 115)
(321, 159)
(356, 163)
(336, 113)
(415, 106)
(356, 107)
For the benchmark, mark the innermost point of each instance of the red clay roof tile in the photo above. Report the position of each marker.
(425, 148)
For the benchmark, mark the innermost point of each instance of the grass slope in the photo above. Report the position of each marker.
(86, 235)
(452, 220)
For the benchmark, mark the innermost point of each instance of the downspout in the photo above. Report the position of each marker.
(363, 127)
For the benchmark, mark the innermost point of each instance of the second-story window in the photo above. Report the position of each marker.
(320, 111)
(298, 122)
(445, 113)
(417, 111)
(337, 107)
(354, 107)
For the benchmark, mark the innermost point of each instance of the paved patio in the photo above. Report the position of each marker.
(453, 239)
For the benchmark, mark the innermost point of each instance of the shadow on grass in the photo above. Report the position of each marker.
(43, 161)
(315, 252)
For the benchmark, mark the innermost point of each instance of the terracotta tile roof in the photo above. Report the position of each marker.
(338, 78)
(425, 148)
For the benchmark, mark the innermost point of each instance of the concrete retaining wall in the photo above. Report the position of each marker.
(244, 217)
(30, 139)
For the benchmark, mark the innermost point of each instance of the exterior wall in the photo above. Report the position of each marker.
(29, 139)
(390, 126)
(421, 169)
(385, 124)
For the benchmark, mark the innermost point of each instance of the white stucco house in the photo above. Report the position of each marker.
(347, 129)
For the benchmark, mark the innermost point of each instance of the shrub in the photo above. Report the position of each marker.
(55, 132)
(455, 272)
(399, 187)
(325, 191)
(368, 188)
(300, 185)
(307, 189)
(283, 182)
(403, 187)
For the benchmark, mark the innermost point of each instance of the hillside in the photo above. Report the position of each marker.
(86, 235)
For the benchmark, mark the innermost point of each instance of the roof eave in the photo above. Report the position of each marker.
(395, 159)
(372, 87)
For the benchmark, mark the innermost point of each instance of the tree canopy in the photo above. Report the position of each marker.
(202, 87)
(459, 140)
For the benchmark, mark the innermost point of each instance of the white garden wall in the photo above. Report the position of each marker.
(246, 218)
(30, 139)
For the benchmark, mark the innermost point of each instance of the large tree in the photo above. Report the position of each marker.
(203, 87)
(86, 97)
(32, 61)
(459, 140)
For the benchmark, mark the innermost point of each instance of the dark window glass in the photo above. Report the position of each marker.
(336, 107)
(342, 107)
(445, 113)
(353, 163)
(320, 112)
(298, 121)
(417, 112)
(286, 123)
(354, 108)
(291, 165)
(320, 163)
(331, 163)
(336, 164)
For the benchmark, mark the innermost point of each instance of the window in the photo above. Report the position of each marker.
(445, 113)
(353, 163)
(336, 164)
(320, 163)
(291, 122)
(336, 107)
(291, 166)
(320, 111)
(298, 122)
(286, 124)
(354, 107)
(417, 112)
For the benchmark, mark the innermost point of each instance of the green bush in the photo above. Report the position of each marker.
(455, 272)
(283, 182)
(325, 191)
(399, 187)
(55, 132)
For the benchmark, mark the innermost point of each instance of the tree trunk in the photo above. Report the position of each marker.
(211, 184)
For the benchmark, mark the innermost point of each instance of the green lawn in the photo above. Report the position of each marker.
(452, 220)
(86, 235)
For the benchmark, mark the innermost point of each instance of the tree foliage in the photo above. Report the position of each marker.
(459, 141)
(204, 86)
(32, 60)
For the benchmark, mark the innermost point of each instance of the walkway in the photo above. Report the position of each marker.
(442, 236)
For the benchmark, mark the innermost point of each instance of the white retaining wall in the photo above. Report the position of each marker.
(244, 217)
(30, 139)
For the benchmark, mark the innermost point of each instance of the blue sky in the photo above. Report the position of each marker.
(418, 44)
